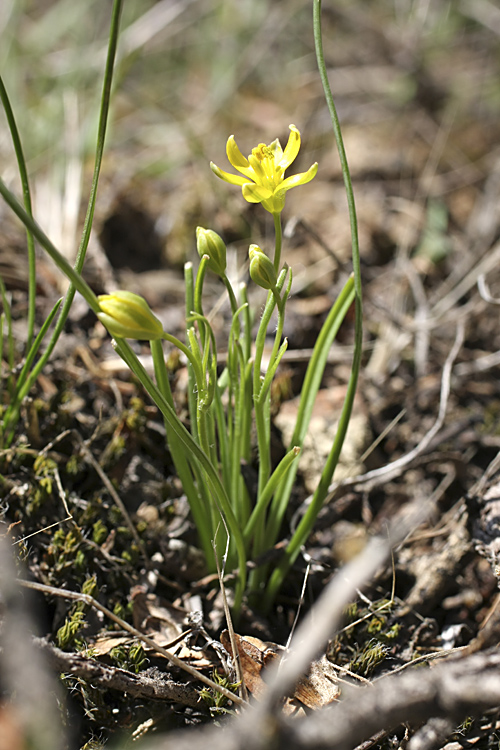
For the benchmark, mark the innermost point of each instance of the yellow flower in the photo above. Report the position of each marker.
(128, 316)
(263, 171)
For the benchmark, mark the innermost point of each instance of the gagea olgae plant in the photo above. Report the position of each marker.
(225, 405)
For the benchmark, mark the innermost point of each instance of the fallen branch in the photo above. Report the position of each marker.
(450, 691)
(91, 602)
(155, 684)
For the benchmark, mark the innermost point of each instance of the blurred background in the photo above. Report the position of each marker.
(416, 86)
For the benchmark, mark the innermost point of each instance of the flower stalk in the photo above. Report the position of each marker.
(229, 403)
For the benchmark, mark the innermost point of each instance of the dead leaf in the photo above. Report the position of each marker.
(315, 690)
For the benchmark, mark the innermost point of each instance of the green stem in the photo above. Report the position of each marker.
(237, 418)
(356, 262)
(260, 339)
(310, 387)
(279, 348)
(14, 406)
(192, 356)
(218, 491)
(181, 463)
(278, 242)
(198, 293)
(189, 285)
(247, 332)
(307, 522)
(232, 298)
(266, 495)
(23, 174)
(73, 275)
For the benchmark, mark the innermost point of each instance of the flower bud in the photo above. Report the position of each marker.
(209, 243)
(261, 268)
(128, 316)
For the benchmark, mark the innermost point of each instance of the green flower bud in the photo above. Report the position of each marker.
(128, 316)
(261, 268)
(209, 243)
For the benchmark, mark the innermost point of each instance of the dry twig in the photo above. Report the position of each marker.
(91, 602)
(143, 685)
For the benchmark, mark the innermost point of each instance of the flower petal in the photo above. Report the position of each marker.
(299, 179)
(255, 193)
(234, 155)
(291, 148)
(257, 166)
(275, 147)
(233, 179)
(237, 160)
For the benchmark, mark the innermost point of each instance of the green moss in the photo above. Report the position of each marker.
(73, 465)
(215, 701)
(368, 658)
(132, 658)
(66, 635)
(119, 610)
(135, 416)
(367, 637)
(99, 532)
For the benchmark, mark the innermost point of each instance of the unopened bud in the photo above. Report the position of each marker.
(209, 243)
(128, 316)
(261, 268)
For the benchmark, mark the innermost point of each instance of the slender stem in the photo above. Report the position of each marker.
(218, 491)
(246, 377)
(232, 297)
(356, 262)
(263, 426)
(200, 515)
(189, 291)
(15, 405)
(23, 174)
(279, 348)
(225, 439)
(237, 418)
(198, 293)
(77, 282)
(278, 242)
(307, 522)
(101, 130)
(38, 341)
(260, 339)
(310, 387)
(247, 332)
(268, 491)
(192, 356)
(71, 273)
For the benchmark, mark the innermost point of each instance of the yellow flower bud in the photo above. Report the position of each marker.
(261, 268)
(210, 243)
(128, 316)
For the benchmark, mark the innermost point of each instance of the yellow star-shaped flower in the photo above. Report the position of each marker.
(263, 171)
